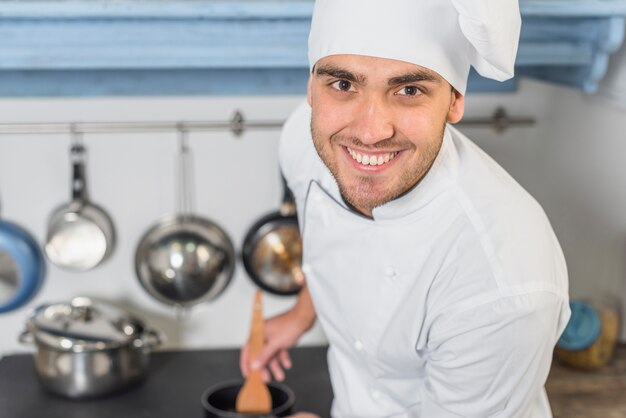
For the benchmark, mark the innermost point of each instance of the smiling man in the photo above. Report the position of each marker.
(378, 124)
(437, 279)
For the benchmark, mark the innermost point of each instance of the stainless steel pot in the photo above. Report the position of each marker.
(185, 259)
(81, 235)
(87, 349)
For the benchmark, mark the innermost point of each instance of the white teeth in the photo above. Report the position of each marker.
(371, 159)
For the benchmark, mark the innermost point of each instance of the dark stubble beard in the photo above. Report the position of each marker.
(364, 193)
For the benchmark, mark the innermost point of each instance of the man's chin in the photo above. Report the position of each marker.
(366, 197)
(366, 191)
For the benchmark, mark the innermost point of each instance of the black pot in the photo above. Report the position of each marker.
(219, 401)
(272, 249)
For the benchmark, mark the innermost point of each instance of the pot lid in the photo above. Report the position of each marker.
(83, 325)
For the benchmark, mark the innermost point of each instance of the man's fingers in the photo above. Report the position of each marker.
(264, 356)
(265, 375)
(277, 371)
(285, 359)
(243, 360)
(271, 361)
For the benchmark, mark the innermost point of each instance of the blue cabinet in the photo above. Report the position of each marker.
(178, 47)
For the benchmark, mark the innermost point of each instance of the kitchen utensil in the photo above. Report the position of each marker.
(185, 259)
(272, 249)
(81, 234)
(219, 401)
(254, 397)
(88, 349)
(22, 268)
(588, 342)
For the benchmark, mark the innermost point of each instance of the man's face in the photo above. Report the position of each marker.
(378, 124)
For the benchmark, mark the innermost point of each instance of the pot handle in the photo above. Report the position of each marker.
(77, 157)
(288, 205)
(26, 337)
(152, 338)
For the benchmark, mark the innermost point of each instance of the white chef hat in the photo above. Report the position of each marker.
(446, 36)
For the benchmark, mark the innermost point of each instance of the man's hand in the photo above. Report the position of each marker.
(303, 415)
(281, 333)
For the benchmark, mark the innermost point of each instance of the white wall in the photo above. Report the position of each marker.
(132, 176)
(584, 189)
(570, 161)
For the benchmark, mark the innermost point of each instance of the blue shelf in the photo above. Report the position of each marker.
(96, 48)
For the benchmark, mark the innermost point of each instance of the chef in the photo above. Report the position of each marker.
(437, 279)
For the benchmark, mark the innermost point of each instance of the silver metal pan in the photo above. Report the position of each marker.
(81, 234)
(185, 259)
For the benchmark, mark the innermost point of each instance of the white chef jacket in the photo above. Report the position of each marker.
(447, 303)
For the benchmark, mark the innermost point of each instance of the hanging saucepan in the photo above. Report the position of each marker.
(22, 268)
(81, 234)
(272, 249)
(185, 259)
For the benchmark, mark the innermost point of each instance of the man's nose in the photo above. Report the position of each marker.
(372, 122)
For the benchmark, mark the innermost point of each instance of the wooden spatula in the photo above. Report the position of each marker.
(254, 397)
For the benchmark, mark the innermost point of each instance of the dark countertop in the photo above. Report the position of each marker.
(173, 387)
(176, 380)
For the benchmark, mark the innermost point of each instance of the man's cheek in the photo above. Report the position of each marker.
(331, 120)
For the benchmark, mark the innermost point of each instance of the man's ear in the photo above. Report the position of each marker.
(309, 93)
(457, 107)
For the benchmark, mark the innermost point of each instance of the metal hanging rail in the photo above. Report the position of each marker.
(500, 121)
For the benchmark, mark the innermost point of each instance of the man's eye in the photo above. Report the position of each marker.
(343, 85)
(409, 91)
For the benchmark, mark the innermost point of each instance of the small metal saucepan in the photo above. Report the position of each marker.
(272, 249)
(87, 349)
(22, 268)
(81, 234)
(185, 259)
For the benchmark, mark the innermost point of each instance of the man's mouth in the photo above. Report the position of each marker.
(371, 159)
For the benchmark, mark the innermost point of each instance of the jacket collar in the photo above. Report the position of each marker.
(435, 181)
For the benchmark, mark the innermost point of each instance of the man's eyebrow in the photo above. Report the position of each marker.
(337, 72)
(413, 77)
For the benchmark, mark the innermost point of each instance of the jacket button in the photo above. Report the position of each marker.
(390, 272)
(358, 344)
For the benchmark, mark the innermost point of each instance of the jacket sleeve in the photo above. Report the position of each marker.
(492, 360)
